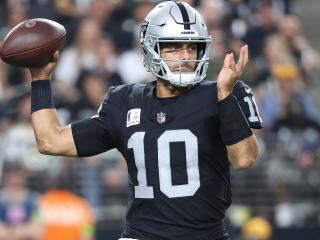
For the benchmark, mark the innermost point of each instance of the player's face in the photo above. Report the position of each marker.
(179, 51)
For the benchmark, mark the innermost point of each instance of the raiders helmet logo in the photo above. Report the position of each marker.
(143, 30)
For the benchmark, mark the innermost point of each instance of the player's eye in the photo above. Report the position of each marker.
(193, 48)
(177, 48)
(172, 48)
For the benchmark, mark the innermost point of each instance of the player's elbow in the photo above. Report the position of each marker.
(45, 146)
(243, 162)
(59, 143)
(243, 156)
(246, 159)
(243, 159)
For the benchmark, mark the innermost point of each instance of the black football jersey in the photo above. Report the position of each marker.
(177, 163)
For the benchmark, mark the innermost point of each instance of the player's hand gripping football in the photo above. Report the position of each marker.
(231, 72)
(44, 72)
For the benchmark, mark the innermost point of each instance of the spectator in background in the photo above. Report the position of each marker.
(296, 114)
(238, 14)
(265, 24)
(276, 52)
(91, 52)
(15, 14)
(35, 8)
(105, 178)
(107, 56)
(12, 76)
(285, 6)
(256, 228)
(18, 206)
(291, 30)
(93, 86)
(65, 216)
(87, 171)
(294, 164)
(104, 12)
(130, 60)
(114, 179)
(80, 55)
(17, 140)
(213, 14)
(69, 14)
(288, 84)
(71, 9)
(278, 63)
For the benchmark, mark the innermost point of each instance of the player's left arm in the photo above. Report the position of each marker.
(241, 144)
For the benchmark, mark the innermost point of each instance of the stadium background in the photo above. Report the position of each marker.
(282, 188)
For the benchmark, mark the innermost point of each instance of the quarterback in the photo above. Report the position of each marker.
(179, 134)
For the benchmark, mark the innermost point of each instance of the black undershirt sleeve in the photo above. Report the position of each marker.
(91, 137)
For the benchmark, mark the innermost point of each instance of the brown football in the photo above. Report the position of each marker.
(32, 43)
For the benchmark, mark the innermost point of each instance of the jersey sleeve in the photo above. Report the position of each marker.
(244, 96)
(94, 135)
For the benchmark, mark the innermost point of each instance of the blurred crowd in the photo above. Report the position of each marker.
(102, 49)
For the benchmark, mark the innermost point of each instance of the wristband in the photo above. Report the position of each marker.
(41, 95)
(233, 124)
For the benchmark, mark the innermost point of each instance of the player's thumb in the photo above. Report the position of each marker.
(55, 57)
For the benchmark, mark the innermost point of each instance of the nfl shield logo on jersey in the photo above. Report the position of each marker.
(161, 117)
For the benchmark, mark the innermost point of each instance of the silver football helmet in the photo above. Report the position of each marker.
(173, 21)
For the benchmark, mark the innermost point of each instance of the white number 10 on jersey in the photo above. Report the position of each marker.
(136, 142)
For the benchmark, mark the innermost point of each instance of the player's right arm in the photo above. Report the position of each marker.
(52, 138)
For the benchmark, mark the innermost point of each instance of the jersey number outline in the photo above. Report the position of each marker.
(136, 142)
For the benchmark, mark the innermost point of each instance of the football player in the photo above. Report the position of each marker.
(179, 134)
